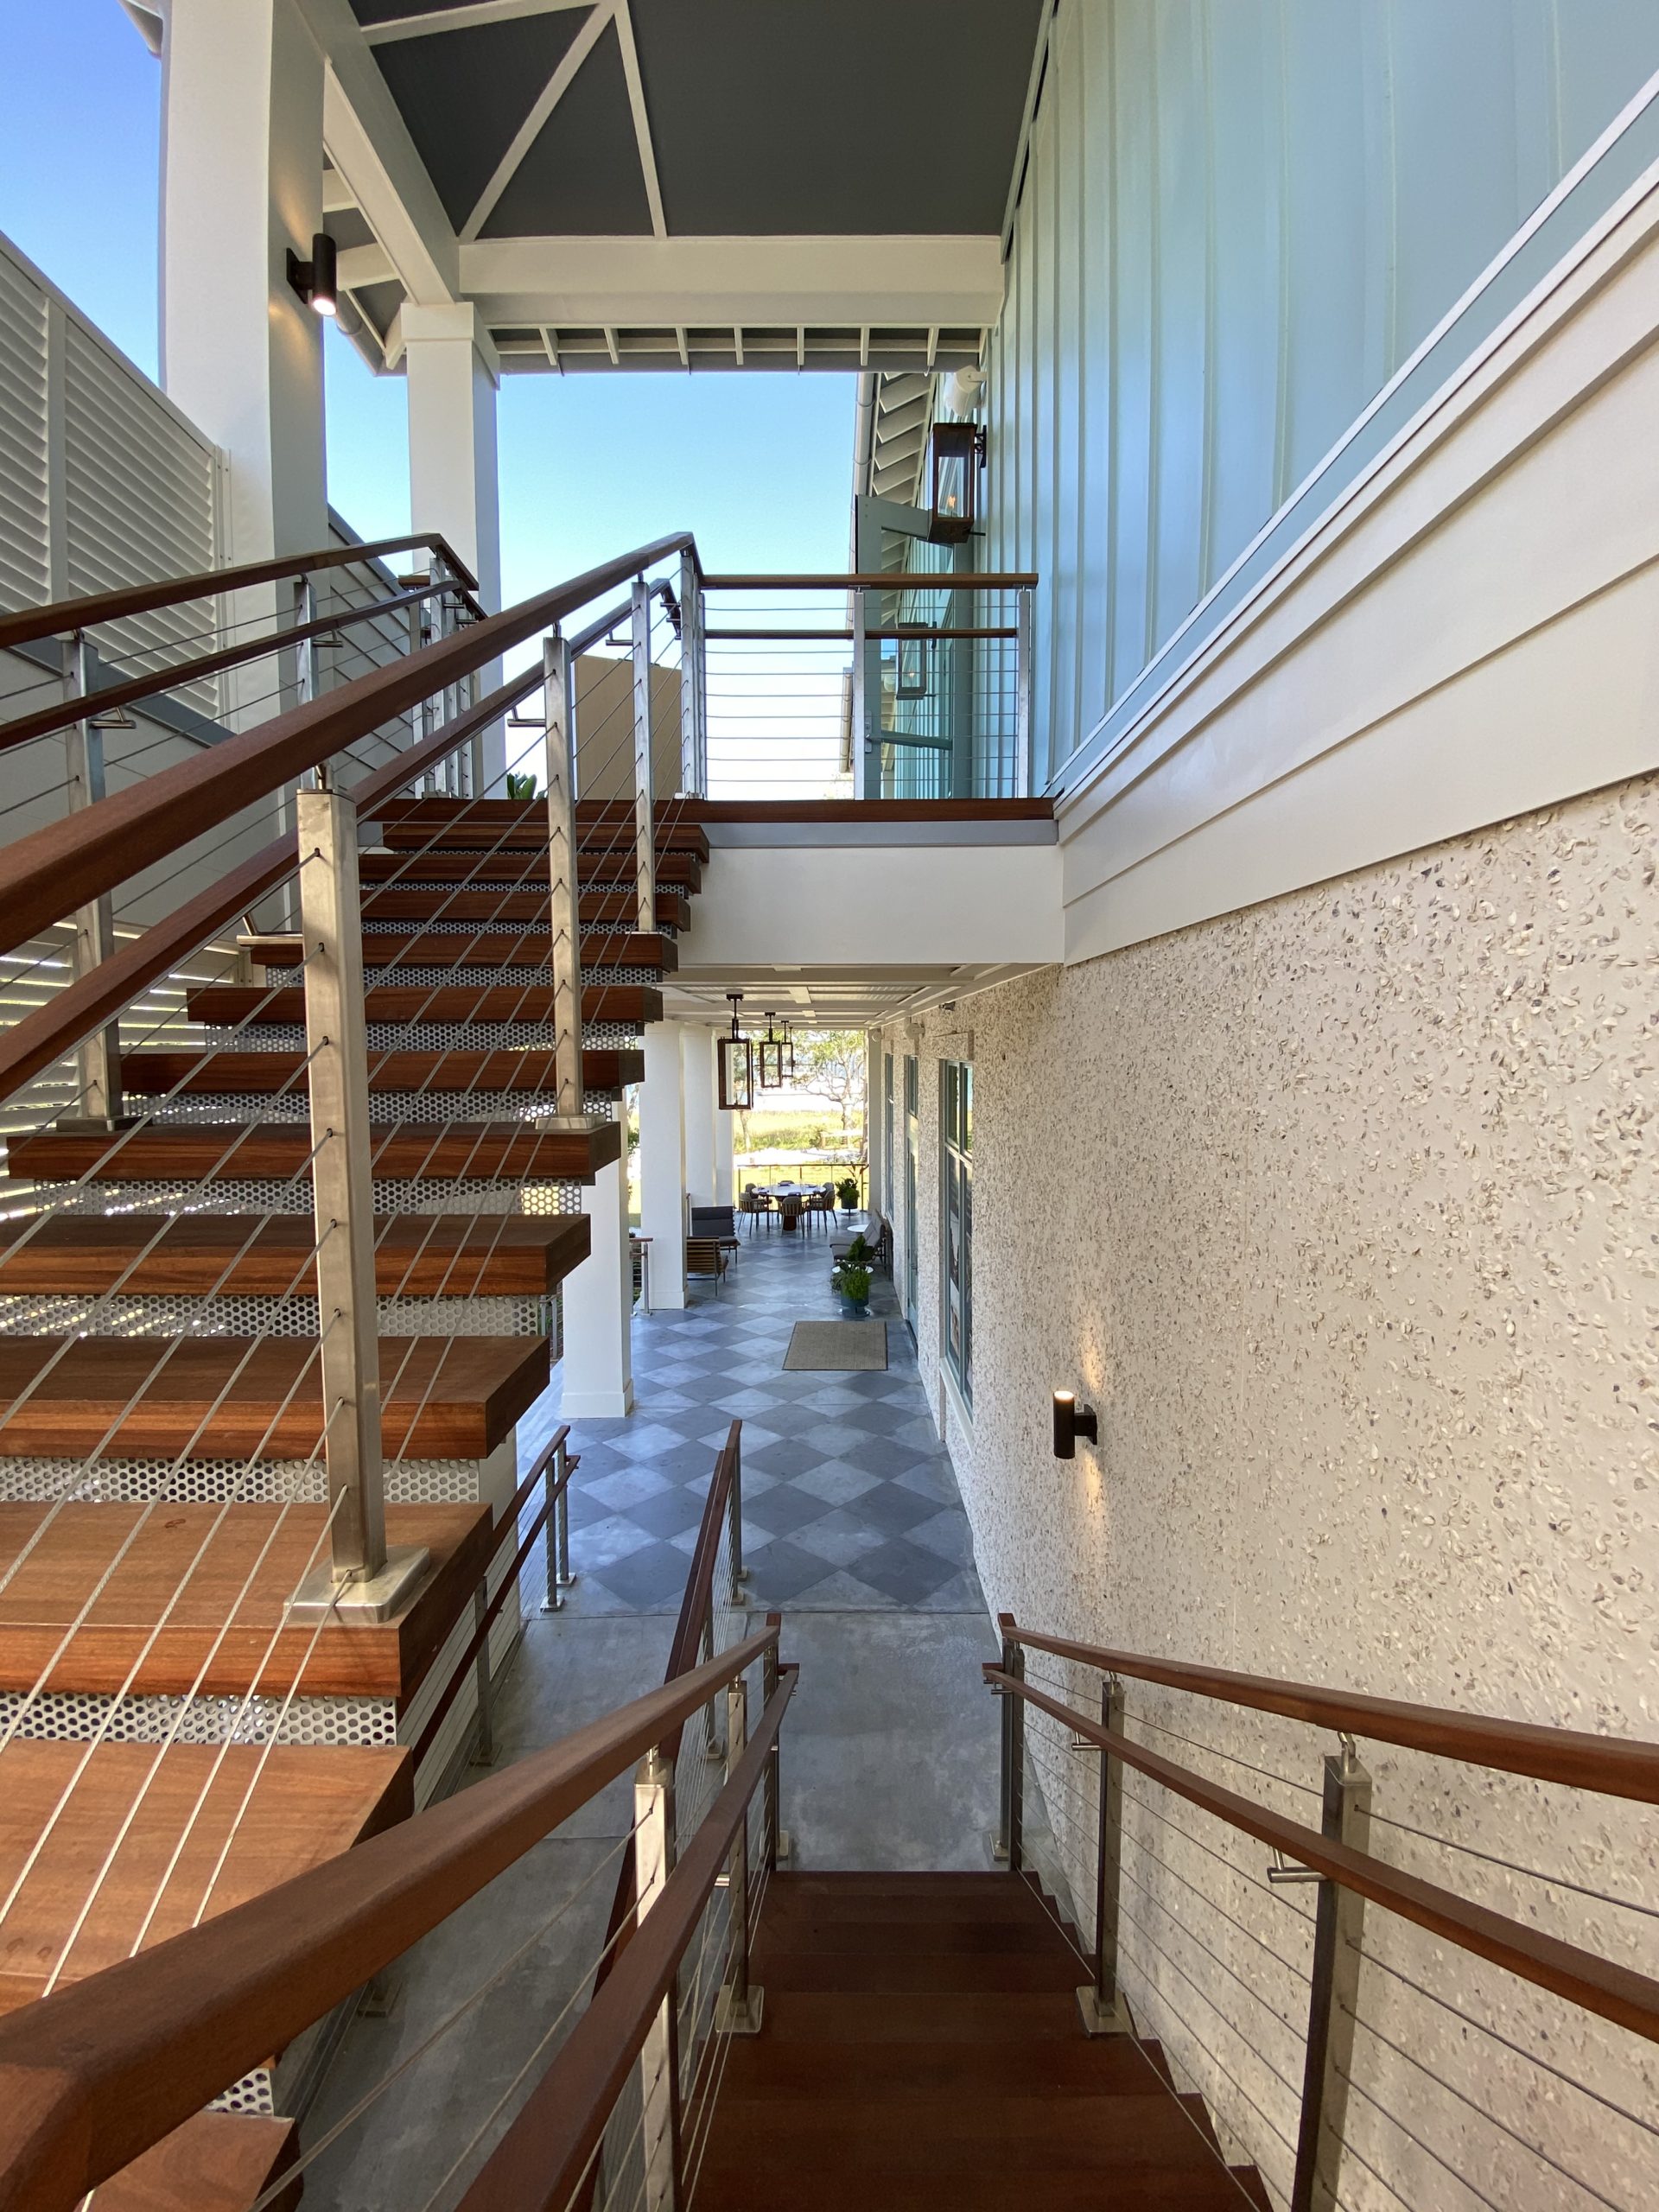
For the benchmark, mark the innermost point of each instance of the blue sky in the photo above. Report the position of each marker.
(760, 466)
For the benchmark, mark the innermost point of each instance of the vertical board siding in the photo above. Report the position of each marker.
(1239, 218)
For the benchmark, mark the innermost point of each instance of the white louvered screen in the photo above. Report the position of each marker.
(25, 563)
(138, 502)
(103, 482)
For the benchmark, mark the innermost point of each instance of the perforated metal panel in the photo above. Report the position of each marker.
(62, 1716)
(210, 1482)
(127, 1316)
(231, 1196)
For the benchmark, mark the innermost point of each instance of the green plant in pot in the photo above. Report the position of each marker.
(847, 1191)
(853, 1283)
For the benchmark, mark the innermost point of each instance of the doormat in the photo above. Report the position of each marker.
(837, 1347)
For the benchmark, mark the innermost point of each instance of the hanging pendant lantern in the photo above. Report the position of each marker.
(734, 1059)
(770, 1051)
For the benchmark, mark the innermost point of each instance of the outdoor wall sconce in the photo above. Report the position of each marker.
(316, 280)
(958, 456)
(735, 1064)
(769, 1052)
(1072, 1420)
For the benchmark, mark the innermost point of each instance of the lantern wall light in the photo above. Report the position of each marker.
(769, 1052)
(958, 456)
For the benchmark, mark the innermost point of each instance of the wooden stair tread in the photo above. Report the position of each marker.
(152, 1072)
(382, 1659)
(412, 824)
(1024, 2135)
(483, 947)
(617, 907)
(285, 1809)
(518, 864)
(274, 1151)
(448, 1256)
(227, 1004)
(921, 2048)
(217, 2162)
(442, 1397)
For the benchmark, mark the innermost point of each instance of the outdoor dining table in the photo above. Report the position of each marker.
(790, 1197)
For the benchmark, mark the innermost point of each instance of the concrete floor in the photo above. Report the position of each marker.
(889, 1754)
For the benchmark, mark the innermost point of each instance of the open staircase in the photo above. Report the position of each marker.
(181, 1741)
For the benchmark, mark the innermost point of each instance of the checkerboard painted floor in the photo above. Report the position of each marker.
(848, 1502)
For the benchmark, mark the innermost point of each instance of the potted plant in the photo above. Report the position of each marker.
(847, 1191)
(852, 1282)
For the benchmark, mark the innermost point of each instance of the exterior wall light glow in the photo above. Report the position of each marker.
(1072, 1420)
(316, 281)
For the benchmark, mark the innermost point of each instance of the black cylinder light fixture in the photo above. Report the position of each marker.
(316, 281)
(1072, 1420)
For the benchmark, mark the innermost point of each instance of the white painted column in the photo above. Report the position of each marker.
(241, 353)
(599, 1308)
(697, 1053)
(453, 484)
(662, 1162)
(725, 1158)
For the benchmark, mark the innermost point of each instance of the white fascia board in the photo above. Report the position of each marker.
(369, 143)
(623, 281)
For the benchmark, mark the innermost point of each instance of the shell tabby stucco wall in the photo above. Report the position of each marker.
(1343, 1212)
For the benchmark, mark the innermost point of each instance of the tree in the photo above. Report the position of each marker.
(830, 1063)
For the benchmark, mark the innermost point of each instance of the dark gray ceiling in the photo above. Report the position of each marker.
(782, 116)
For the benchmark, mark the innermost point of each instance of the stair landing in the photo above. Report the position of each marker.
(921, 2049)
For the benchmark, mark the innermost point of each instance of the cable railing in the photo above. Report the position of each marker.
(908, 686)
(1381, 1996)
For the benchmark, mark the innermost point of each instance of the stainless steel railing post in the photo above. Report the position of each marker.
(564, 913)
(97, 1059)
(738, 2010)
(363, 1578)
(659, 2055)
(645, 804)
(1101, 2002)
(1008, 1845)
(1333, 1993)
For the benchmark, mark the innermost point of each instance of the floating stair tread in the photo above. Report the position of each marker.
(919, 1973)
(285, 1809)
(150, 1072)
(1020, 2136)
(252, 1559)
(519, 864)
(217, 2162)
(812, 2016)
(230, 1397)
(410, 825)
(274, 1151)
(616, 908)
(941, 2070)
(485, 947)
(226, 1004)
(432, 1255)
(727, 2184)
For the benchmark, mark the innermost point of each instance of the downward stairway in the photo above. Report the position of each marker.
(920, 2047)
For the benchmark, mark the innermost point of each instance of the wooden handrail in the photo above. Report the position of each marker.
(543, 2157)
(1611, 1765)
(1010, 580)
(95, 2073)
(67, 863)
(65, 616)
(1616, 1993)
(84, 1006)
(108, 698)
